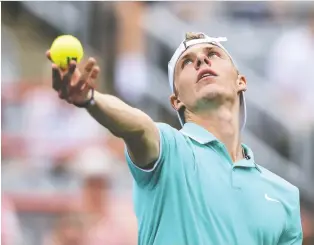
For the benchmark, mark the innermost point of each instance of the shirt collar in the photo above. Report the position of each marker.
(202, 136)
(249, 160)
(198, 133)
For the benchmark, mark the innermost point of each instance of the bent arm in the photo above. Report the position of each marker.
(135, 127)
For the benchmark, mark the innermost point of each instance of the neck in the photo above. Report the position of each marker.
(223, 123)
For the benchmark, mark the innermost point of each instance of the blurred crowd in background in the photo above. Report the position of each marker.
(64, 178)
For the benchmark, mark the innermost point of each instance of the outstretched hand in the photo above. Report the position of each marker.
(72, 85)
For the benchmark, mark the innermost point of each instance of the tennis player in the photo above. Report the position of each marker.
(199, 185)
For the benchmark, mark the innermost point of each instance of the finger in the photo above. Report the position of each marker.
(69, 100)
(72, 67)
(90, 83)
(61, 96)
(87, 70)
(93, 76)
(69, 59)
(56, 78)
(86, 89)
(48, 55)
(66, 82)
(95, 72)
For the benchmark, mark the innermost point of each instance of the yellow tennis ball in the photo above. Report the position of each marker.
(64, 49)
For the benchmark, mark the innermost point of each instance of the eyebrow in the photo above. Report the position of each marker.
(189, 54)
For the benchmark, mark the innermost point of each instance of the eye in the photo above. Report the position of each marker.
(186, 62)
(213, 54)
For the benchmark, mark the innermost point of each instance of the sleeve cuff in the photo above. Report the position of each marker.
(144, 175)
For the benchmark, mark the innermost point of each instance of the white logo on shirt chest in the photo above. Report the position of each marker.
(270, 199)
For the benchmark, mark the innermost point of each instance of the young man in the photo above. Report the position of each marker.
(199, 185)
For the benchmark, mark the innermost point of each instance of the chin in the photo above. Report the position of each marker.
(212, 92)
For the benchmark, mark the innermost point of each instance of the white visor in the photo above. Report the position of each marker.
(184, 46)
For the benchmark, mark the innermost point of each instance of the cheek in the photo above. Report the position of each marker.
(229, 77)
(187, 78)
(185, 84)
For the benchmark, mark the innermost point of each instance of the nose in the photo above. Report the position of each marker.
(202, 59)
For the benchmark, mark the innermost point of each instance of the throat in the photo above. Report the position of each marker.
(224, 125)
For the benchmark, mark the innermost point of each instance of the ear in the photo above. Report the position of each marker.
(241, 83)
(175, 102)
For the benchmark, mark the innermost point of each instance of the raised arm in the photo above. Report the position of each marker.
(137, 129)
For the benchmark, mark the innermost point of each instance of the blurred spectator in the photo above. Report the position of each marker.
(307, 223)
(10, 227)
(10, 66)
(100, 216)
(194, 12)
(68, 230)
(105, 215)
(52, 127)
(290, 69)
(251, 11)
(52, 132)
(131, 78)
(308, 241)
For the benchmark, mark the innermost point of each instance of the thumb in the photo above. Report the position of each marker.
(48, 55)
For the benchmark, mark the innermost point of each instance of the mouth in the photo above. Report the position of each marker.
(206, 73)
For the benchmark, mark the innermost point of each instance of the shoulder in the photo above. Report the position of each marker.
(174, 144)
(279, 183)
(169, 132)
(166, 127)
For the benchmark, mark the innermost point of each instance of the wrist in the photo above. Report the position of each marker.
(90, 94)
(89, 102)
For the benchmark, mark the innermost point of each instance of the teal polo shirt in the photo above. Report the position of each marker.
(196, 195)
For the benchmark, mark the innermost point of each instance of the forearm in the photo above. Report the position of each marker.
(132, 125)
(119, 118)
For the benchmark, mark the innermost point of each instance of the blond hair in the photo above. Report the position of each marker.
(193, 35)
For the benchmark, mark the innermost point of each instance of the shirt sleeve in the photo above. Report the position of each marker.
(150, 177)
(293, 234)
